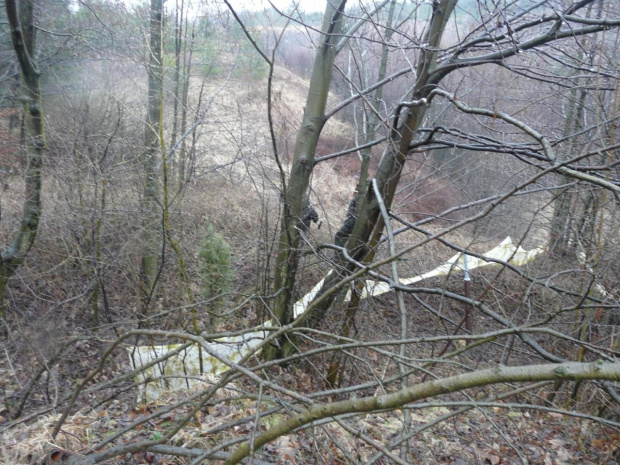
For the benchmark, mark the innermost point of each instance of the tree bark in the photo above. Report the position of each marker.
(150, 205)
(20, 17)
(566, 371)
(369, 130)
(369, 220)
(303, 162)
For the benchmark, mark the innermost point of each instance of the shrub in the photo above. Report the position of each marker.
(216, 269)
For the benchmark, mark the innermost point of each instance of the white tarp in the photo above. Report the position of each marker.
(505, 251)
(182, 370)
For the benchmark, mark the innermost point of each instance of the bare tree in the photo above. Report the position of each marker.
(518, 34)
(296, 189)
(23, 34)
(153, 132)
(507, 107)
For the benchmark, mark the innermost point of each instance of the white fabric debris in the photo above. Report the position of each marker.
(182, 371)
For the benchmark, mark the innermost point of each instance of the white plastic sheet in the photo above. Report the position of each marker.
(182, 370)
(505, 251)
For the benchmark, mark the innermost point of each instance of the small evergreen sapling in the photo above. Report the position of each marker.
(216, 269)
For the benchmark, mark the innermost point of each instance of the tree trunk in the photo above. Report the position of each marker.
(20, 17)
(187, 67)
(562, 222)
(150, 209)
(369, 135)
(303, 161)
(368, 217)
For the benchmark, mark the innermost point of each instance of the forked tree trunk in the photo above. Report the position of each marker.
(20, 17)
(388, 174)
(369, 223)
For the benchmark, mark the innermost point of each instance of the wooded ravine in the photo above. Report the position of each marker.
(369, 233)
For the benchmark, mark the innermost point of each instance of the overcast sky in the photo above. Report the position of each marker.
(305, 5)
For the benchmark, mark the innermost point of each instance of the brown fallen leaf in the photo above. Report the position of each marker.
(492, 459)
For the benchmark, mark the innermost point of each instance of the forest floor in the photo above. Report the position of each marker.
(490, 435)
(522, 431)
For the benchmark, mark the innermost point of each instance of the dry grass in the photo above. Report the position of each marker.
(27, 443)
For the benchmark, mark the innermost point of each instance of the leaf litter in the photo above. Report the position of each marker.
(493, 436)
